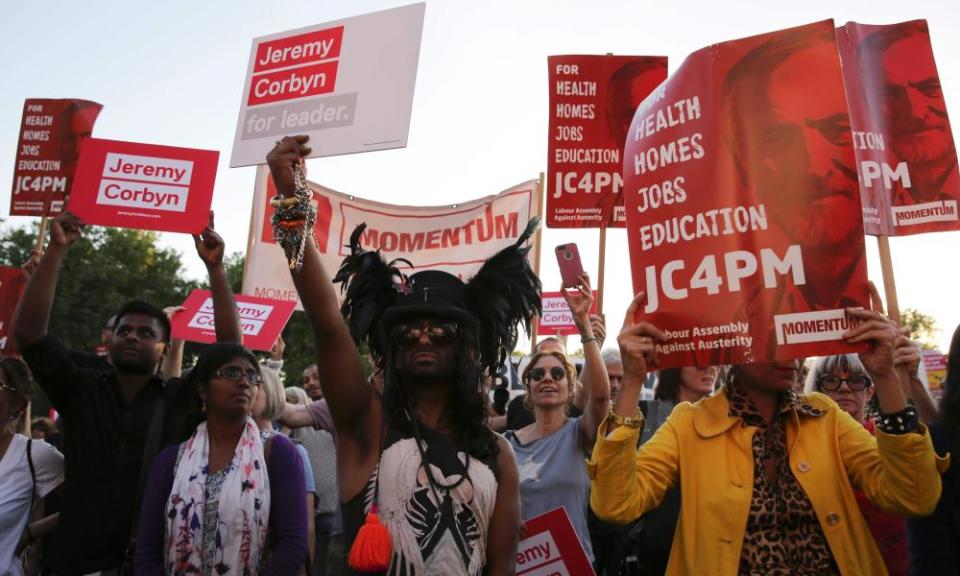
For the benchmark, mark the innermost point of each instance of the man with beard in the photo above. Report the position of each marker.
(792, 147)
(914, 110)
(111, 408)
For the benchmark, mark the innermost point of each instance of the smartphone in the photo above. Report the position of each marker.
(568, 257)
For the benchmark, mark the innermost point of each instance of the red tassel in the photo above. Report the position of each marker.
(372, 548)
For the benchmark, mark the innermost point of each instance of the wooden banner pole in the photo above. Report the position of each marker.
(889, 282)
(601, 268)
(538, 192)
(38, 247)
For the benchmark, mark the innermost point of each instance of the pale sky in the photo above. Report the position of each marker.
(172, 73)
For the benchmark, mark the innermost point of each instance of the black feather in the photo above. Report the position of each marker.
(504, 293)
(370, 284)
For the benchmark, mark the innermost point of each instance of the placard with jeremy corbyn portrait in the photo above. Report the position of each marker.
(906, 156)
(742, 202)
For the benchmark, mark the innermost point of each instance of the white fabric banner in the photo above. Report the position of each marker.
(455, 238)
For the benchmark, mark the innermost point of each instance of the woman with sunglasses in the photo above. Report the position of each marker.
(767, 477)
(29, 469)
(551, 451)
(224, 501)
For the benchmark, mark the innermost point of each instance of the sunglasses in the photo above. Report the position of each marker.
(439, 334)
(556, 374)
(856, 383)
(235, 373)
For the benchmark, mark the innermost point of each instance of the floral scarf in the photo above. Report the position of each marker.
(244, 508)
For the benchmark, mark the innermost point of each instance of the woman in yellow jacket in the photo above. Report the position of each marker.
(766, 477)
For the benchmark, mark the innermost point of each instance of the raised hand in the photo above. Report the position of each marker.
(209, 245)
(878, 331)
(598, 323)
(579, 300)
(66, 229)
(289, 151)
(276, 352)
(907, 353)
(637, 342)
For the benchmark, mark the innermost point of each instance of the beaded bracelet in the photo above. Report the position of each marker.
(293, 219)
(906, 420)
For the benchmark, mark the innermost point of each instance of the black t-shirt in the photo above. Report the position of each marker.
(103, 442)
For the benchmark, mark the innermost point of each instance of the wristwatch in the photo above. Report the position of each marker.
(635, 421)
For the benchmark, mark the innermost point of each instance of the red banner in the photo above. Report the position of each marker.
(261, 319)
(743, 211)
(592, 99)
(556, 317)
(47, 153)
(907, 160)
(144, 186)
(12, 282)
(552, 547)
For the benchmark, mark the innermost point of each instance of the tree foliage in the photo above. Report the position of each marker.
(923, 328)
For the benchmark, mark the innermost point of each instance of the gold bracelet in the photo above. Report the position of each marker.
(635, 421)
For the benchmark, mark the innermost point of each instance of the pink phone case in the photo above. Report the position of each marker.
(568, 258)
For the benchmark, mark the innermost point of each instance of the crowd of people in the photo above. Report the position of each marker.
(415, 466)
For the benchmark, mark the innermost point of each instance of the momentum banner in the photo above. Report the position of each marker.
(144, 186)
(743, 211)
(47, 153)
(592, 99)
(906, 156)
(455, 238)
(347, 84)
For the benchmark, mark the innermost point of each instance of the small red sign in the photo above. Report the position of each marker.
(144, 186)
(552, 547)
(261, 319)
(12, 282)
(556, 317)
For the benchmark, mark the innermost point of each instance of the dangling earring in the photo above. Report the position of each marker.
(203, 405)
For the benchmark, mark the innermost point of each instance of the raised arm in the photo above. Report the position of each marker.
(596, 385)
(341, 377)
(226, 320)
(626, 483)
(33, 314)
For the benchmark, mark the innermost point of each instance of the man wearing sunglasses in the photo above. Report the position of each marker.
(113, 408)
(419, 459)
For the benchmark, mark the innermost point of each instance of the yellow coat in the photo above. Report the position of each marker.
(709, 454)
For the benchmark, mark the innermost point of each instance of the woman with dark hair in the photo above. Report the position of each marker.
(29, 469)
(224, 501)
(434, 489)
(767, 477)
(934, 542)
(687, 384)
(551, 451)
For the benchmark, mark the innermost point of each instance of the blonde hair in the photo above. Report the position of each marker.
(272, 390)
(573, 383)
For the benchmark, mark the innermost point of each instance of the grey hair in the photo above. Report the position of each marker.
(611, 356)
(296, 395)
(825, 365)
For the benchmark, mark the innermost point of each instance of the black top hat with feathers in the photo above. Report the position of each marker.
(503, 293)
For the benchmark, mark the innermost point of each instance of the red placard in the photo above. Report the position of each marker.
(51, 134)
(743, 208)
(552, 547)
(12, 282)
(556, 317)
(261, 319)
(592, 99)
(144, 186)
(906, 156)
